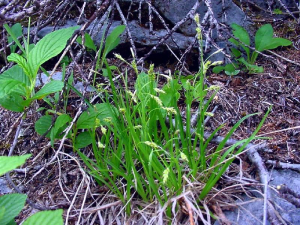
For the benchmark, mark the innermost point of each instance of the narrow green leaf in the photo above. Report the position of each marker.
(50, 46)
(13, 36)
(8, 163)
(46, 218)
(49, 88)
(13, 204)
(16, 29)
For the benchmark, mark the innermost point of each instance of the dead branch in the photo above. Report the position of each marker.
(282, 165)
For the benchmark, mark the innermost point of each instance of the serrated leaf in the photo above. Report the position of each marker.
(13, 102)
(16, 73)
(13, 204)
(49, 88)
(13, 80)
(43, 124)
(8, 86)
(48, 47)
(82, 140)
(21, 61)
(86, 121)
(8, 163)
(46, 218)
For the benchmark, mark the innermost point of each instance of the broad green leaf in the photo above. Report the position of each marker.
(82, 140)
(13, 102)
(8, 163)
(2, 211)
(88, 42)
(49, 88)
(8, 86)
(21, 61)
(171, 93)
(263, 37)
(13, 204)
(276, 42)
(12, 222)
(218, 69)
(43, 124)
(13, 80)
(236, 53)
(106, 110)
(46, 218)
(251, 67)
(16, 73)
(51, 45)
(233, 73)
(111, 47)
(231, 69)
(142, 86)
(113, 39)
(241, 34)
(61, 123)
(86, 120)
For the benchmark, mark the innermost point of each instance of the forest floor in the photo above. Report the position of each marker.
(63, 183)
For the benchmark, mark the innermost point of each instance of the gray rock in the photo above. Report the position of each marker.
(4, 187)
(250, 211)
(143, 36)
(42, 79)
(176, 10)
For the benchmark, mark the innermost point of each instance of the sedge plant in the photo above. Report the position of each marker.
(143, 145)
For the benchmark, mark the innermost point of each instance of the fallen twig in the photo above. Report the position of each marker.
(282, 165)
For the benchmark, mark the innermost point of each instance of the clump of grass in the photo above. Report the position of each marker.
(146, 145)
